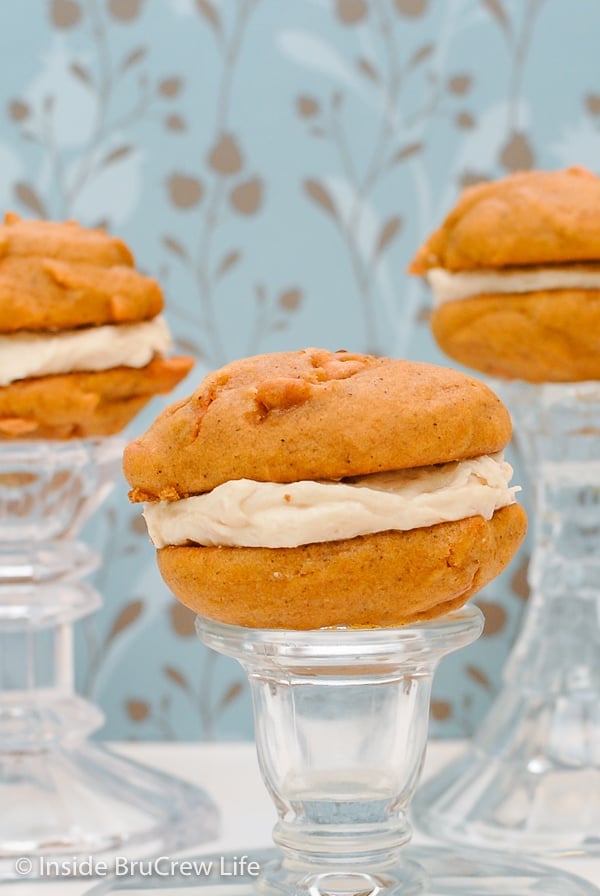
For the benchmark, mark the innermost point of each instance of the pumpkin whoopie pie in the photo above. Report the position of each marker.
(82, 341)
(309, 489)
(515, 273)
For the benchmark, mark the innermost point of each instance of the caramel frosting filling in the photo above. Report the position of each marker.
(26, 354)
(453, 286)
(245, 513)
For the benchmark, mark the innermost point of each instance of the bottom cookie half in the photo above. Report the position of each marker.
(549, 336)
(385, 579)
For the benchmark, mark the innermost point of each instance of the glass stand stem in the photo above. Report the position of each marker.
(61, 795)
(531, 780)
(341, 728)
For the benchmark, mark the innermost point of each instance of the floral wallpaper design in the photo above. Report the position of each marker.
(275, 165)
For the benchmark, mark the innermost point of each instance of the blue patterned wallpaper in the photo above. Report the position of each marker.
(275, 163)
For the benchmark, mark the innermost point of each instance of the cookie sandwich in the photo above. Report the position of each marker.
(309, 489)
(515, 275)
(83, 344)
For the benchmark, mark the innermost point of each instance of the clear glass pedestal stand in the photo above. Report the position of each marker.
(61, 795)
(341, 728)
(530, 781)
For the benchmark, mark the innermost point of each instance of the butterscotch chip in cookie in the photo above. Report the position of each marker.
(310, 489)
(515, 272)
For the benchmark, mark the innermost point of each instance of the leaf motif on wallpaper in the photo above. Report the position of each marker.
(320, 196)
(495, 617)
(225, 157)
(307, 107)
(175, 123)
(209, 11)
(420, 55)
(412, 9)
(125, 10)
(406, 152)
(246, 198)
(472, 178)
(128, 615)
(389, 230)
(137, 524)
(315, 53)
(231, 694)
(81, 72)
(28, 196)
(121, 152)
(185, 191)
(460, 84)
(176, 248)
(170, 87)
(182, 620)
(592, 103)
(478, 676)
(188, 347)
(498, 13)
(137, 710)
(520, 581)
(228, 262)
(133, 58)
(441, 710)
(178, 677)
(65, 13)
(465, 121)
(367, 68)
(290, 299)
(18, 110)
(350, 12)
(517, 154)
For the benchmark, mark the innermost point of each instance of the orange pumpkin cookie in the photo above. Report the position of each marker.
(515, 272)
(82, 343)
(309, 489)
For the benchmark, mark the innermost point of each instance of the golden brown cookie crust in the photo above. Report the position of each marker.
(66, 240)
(546, 336)
(314, 414)
(39, 294)
(390, 578)
(79, 405)
(528, 218)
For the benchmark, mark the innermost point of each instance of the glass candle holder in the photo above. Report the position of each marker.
(60, 794)
(531, 778)
(341, 730)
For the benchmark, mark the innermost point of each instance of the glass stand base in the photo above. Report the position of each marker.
(423, 871)
(523, 803)
(63, 804)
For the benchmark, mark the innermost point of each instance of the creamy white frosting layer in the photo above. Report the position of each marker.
(92, 348)
(451, 287)
(274, 515)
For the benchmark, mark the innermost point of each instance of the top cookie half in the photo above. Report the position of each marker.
(59, 275)
(313, 414)
(528, 218)
(515, 275)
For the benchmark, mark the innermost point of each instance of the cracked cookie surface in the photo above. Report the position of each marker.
(325, 416)
(313, 414)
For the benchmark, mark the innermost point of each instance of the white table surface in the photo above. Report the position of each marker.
(229, 772)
